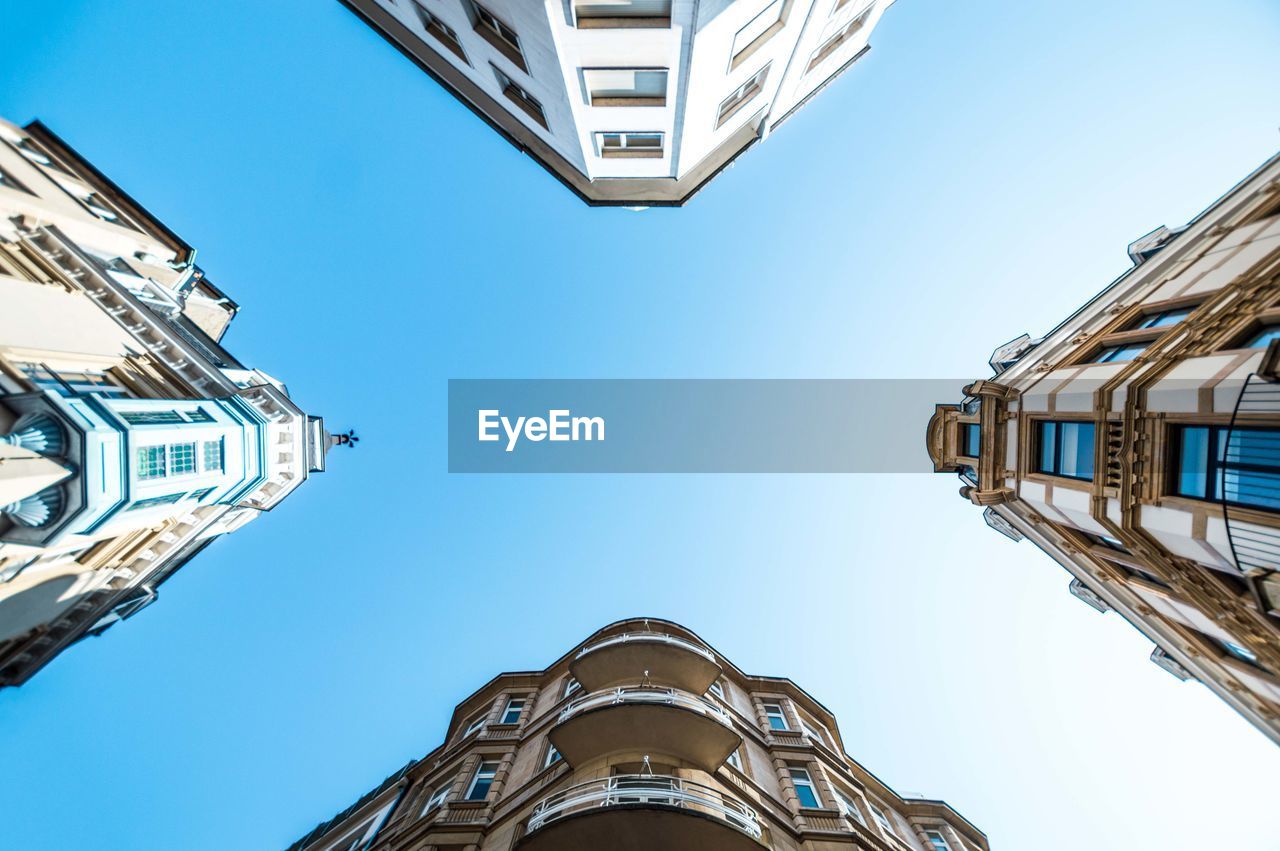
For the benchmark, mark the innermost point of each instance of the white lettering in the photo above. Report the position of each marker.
(559, 425)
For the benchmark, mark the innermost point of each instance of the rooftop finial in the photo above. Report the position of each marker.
(348, 439)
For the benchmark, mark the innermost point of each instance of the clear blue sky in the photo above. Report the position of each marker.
(976, 176)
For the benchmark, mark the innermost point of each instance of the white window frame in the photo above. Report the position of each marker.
(482, 774)
(475, 726)
(552, 757)
(717, 689)
(934, 837)
(497, 27)
(781, 714)
(571, 685)
(820, 733)
(882, 819)
(849, 807)
(735, 759)
(438, 798)
(807, 781)
(515, 704)
(741, 96)
(660, 149)
(759, 29)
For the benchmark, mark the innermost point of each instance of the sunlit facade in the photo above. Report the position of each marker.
(631, 102)
(642, 736)
(1138, 444)
(129, 437)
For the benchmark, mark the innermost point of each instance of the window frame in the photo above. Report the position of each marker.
(781, 715)
(510, 47)
(521, 97)
(739, 54)
(513, 703)
(480, 774)
(930, 834)
(438, 798)
(1216, 470)
(629, 101)
(809, 782)
(742, 95)
(621, 21)
(439, 29)
(1037, 444)
(836, 40)
(626, 151)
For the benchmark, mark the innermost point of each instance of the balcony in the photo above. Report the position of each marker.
(631, 656)
(645, 720)
(1248, 480)
(631, 812)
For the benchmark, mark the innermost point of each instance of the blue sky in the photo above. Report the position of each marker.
(977, 175)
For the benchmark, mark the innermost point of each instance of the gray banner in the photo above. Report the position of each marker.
(693, 425)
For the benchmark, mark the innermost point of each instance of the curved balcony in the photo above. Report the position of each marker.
(1247, 472)
(645, 720)
(631, 812)
(663, 658)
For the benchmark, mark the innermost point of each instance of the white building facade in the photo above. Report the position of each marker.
(129, 438)
(630, 102)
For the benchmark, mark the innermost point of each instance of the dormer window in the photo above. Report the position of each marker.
(36, 154)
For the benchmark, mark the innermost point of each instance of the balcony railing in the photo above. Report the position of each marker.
(645, 694)
(628, 637)
(640, 789)
(1254, 546)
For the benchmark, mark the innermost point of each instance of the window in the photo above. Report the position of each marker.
(498, 34)
(777, 718)
(971, 440)
(442, 33)
(882, 820)
(842, 35)
(152, 501)
(438, 797)
(570, 686)
(742, 96)
(1065, 448)
(200, 494)
(151, 417)
(212, 460)
(474, 727)
(354, 841)
(849, 808)
(515, 707)
(717, 689)
(757, 31)
(630, 145)
(1263, 338)
(36, 154)
(1104, 541)
(199, 415)
(517, 95)
(72, 383)
(1163, 318)
(483, 779)
(1123, 352)
(812, 731)
(1240, 652)
(735, 759)
(10, 182)
(151, 462)
(182, 458)
(553, 756)
(806, 792)
(626, 86)
(937, 840)
(1241, 470)
(613, 13)
(840, 4)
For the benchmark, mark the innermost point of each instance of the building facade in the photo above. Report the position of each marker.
(641, 737)
(1138, 444)
(630, 102)
(129, 437)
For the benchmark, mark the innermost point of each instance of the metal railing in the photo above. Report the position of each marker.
(645, 694)
(628, 637)
(652, 790)
(1254, 546)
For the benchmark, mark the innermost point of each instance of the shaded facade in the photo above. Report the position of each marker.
(630, 102)
(641, 737)
(1138, 444)
(129, 437)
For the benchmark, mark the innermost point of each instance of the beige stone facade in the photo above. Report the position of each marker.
(641, 737)
(1138, 444)
(129, 437)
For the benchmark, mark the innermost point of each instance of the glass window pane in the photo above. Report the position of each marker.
(1193, 462)
(1048, 447)
(1264, 337)
(151, 462)
(1077, 450)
